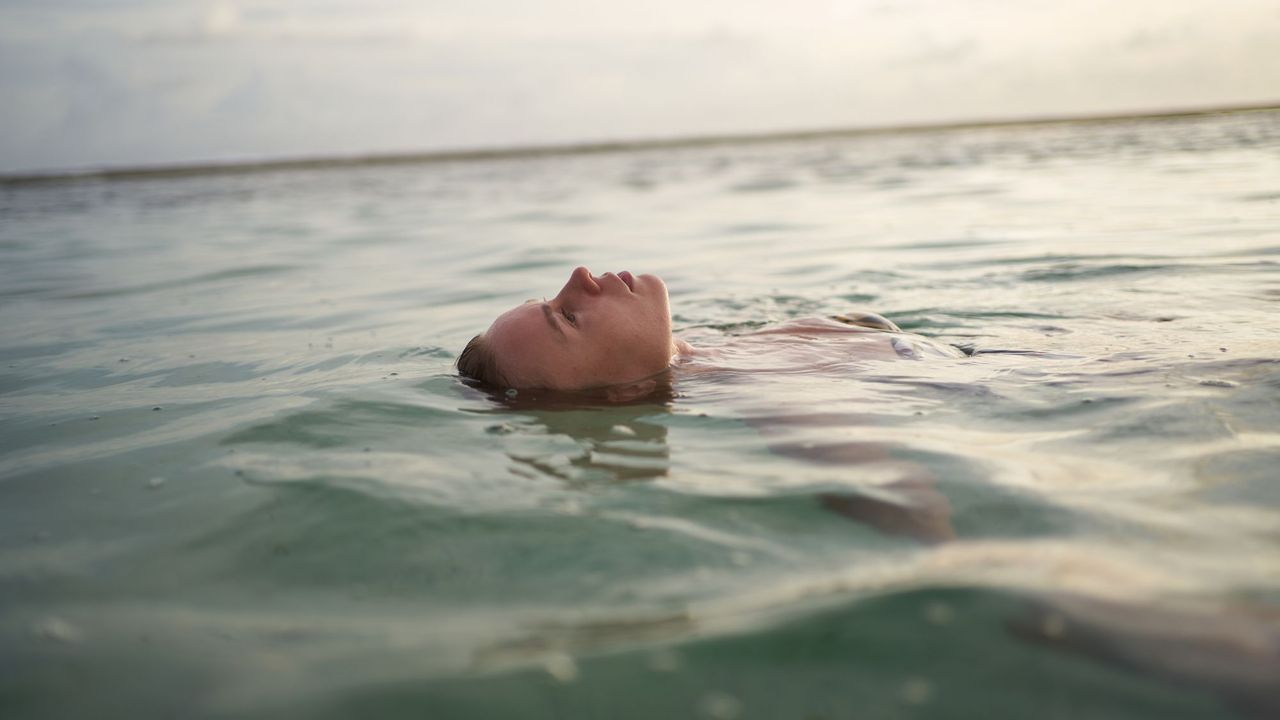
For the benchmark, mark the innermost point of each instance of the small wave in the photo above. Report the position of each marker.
(208, 278)
(1067, 272)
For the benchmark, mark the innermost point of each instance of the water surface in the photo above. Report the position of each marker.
(239, 477)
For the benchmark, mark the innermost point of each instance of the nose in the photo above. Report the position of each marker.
(580, 280)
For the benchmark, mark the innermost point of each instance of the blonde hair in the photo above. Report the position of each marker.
(478, 362)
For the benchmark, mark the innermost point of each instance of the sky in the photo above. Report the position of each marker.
(94, 83)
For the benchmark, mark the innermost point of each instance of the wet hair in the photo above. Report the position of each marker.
(478, 363)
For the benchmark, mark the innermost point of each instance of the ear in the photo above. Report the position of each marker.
(630, 391)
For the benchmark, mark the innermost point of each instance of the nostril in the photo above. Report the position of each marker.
(586, 280)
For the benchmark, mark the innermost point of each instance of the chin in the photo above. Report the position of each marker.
(652, 280)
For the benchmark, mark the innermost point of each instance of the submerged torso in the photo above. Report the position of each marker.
(810, 345)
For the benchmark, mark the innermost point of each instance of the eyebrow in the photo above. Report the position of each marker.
(550, 315)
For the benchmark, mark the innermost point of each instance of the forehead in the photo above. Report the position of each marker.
(524, 342)
(523, 322)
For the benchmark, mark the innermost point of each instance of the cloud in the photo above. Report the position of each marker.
(145, 81)
(222, 18)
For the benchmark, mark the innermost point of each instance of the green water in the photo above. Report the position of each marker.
(238, 477)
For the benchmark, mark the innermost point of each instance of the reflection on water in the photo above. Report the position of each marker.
(239, 477)
(612, 440)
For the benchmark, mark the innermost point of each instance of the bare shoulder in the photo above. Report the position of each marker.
(875, 334)
(834, 324)
(814, 344)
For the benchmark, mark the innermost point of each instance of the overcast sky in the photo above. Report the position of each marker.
(87, 83)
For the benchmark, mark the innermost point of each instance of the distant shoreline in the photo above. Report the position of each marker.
(585, 148)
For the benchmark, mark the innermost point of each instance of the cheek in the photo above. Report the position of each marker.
(650, 341)
(628, 341)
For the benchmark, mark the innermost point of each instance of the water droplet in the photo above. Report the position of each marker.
(57, 629)
(561, 667)
(155, 482)
(720, 705)
(512, 392)
(939, 613)
(568, 506)
(916, 691)
(664, 661)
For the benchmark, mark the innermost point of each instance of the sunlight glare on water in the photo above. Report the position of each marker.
(237, 462)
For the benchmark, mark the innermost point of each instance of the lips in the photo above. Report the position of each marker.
(626, 277)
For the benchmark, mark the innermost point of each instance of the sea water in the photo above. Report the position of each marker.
(239, 476)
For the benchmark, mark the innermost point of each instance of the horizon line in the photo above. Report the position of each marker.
(235, 167)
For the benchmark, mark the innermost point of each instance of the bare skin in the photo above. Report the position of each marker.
(597, 331)
(614, 331)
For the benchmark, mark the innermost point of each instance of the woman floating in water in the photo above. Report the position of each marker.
(610, 335)
(614, 331)
(596, 332)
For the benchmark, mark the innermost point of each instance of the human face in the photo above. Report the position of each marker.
(596, 331)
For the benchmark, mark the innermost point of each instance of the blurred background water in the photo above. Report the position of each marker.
(239, 477)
